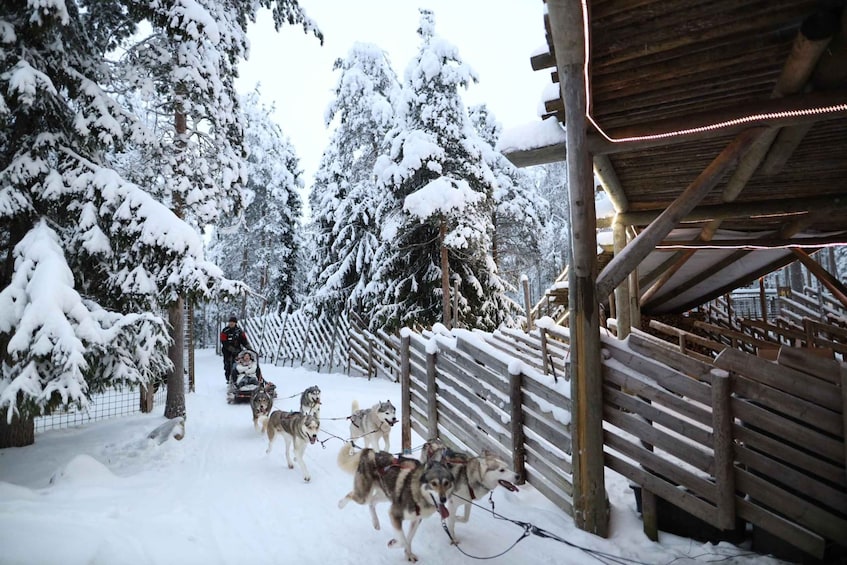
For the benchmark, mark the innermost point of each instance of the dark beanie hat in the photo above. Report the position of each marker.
(233, 319)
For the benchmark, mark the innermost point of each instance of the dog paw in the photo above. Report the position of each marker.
(290, 465)
(411, 557)
(392, 542)
(307, 479)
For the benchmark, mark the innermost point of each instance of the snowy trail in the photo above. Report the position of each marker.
(216, 497)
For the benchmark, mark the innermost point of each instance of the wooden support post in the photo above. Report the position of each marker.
(763, 301)
(405, 394)
(844, 411)
(544, 362)
(527, 303)
(516, 413)
(624, 313)
(649, 515)
(591, 512)
(723, 449)
(146, 398)
(431, 396)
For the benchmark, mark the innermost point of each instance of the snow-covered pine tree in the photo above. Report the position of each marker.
(436, 215)
(261, 249)
(188, 66)
(343, 198)
(77, 237)
(520, 212)
(551, 183)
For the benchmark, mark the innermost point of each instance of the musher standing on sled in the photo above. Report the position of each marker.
(233, 340)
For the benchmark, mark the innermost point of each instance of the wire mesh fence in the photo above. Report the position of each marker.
(110, 404)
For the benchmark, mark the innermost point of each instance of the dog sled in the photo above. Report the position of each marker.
(245, 378)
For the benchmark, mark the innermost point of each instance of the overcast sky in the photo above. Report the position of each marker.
(495, 37)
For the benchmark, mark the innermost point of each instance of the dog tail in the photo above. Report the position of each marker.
(355, 406)
(348, 459)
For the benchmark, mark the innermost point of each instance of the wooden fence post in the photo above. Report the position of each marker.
(544, 356)
(844, 409)
(281, 342)
(516, 413)
(527, 304)
(405, 394)
(431, 396)
(371, 358)
(723, 450)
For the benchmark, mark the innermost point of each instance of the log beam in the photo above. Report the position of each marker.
(620, 267)
(692, 126)
(838, 290)
(785, 207)
(590, 506)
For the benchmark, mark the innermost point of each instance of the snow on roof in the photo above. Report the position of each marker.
(531, 136)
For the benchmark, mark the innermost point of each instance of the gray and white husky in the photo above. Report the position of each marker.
(373, 423)
(416, 490)
(297, 429)
(261, 403)
(310, 401)
(473, 478)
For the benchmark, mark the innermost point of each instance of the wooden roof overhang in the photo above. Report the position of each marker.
(719, 130)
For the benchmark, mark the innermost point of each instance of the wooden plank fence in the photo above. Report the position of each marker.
(332, 343)
(700, 423)
(729, 440)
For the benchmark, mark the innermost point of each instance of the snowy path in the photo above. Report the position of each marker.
(216, 497)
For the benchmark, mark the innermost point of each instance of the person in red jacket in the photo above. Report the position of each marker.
(233, 340)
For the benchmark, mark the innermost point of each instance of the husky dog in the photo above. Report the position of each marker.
(310, 401)
(416, 490)
(373, 423)
(261, 403)
(473, 478)
(297, 429)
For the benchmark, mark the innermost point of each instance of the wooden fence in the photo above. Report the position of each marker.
(734, 439)
(341, 343)
(704, 423)
(464, 390)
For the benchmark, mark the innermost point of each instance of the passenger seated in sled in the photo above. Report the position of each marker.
(246, 371)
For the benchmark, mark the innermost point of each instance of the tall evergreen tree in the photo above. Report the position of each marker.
(343, 198)
(554, 246)
(77, 237)
(520, 212)
(188, 66)
(437, 210)
(261, 247)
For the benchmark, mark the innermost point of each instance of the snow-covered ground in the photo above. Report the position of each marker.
(104, 494)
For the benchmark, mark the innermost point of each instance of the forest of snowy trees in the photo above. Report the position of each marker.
(135, 181)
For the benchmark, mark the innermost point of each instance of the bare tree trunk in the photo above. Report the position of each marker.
(175, 404)
(19, 433)
(445, 277)
(191, 344)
